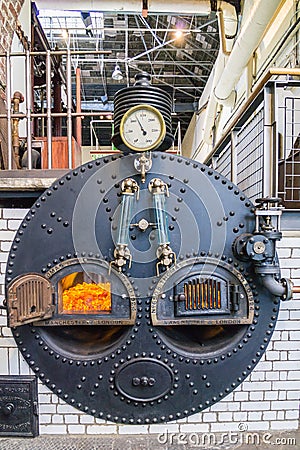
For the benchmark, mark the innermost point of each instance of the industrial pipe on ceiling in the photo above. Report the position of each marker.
(201, 7)
(228, 69)
(246, 43)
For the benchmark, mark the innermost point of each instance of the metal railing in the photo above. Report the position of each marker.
(289, 163)
(261, 152)
(28, 114)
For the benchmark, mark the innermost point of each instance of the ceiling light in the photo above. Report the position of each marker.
(178, 34)
(117, 74)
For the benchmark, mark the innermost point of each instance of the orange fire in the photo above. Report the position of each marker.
(87, 297)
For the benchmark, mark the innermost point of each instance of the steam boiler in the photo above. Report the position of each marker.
(144, 287)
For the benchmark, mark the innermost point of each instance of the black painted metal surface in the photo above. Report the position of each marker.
(141, 373)
(18, 406)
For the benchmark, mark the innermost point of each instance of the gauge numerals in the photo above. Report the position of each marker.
(142, 128)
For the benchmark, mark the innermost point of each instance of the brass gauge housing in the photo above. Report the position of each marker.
(142, 128)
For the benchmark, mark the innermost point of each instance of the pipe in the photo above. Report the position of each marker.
(199, 7)
(69, 107)
(210, 111)
(248, 40)
(78, 108)
(282, 288)
(227, 20)
(48, 100)
(8, 112)
(16, 100)
(131, 6)
(28, 73)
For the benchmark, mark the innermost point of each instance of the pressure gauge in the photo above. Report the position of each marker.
(142, 128)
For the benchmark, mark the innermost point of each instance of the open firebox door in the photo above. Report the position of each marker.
(75, 293)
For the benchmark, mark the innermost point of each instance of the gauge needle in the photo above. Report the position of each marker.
(142, 128)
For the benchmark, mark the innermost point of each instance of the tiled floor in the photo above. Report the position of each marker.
(284, 440)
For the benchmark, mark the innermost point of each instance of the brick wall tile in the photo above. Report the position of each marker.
(198, 417)
(289, 242)
(194, 427)
(47, 409)
(271, 395)
(282, 395)
(7, 235)
(53, 429)
(225, 416)
(258, 426)
(283, 376)
(241, 396)
(294, 355)
(66, 409)
(14, 213)
(257, 386)
(45, 398)
(234, 406)
(7, 342)
(257, 376)
(3, 257)
(133, 429)
(76, 429)
(286, 345)
(294, 375)
(293, 395)
(24, 368)
(6, 332)
(224, 427)
(43, 389)
(293, 414)
(290, 263)
(288, 404)
(256, 406)
(284, 425)
(163, 429)
(45, 418)
(289, 385)
(71, 418)
(241, 416)
(13, 361)
(286, 253)
(287, 325)
(255, 415)
(57, 418)
(4, 370)
(257, 395)
(269, 415)
(209, 417)
(284, 365)
(85, 419)
(5, 246)
(221, 406)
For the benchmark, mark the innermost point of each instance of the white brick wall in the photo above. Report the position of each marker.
(267, 400)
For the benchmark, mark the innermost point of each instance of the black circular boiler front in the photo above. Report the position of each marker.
(125, 296)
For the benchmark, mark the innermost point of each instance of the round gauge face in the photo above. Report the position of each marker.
(142, 128)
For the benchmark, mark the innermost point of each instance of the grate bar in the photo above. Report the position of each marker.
(202, 294)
